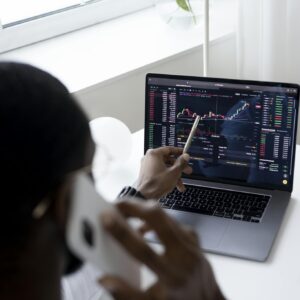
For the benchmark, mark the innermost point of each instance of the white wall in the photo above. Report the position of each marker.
(124, 98)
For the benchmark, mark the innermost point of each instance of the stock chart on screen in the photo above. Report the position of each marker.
(246, 132)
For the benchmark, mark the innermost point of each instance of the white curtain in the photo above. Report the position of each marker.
(268, 40)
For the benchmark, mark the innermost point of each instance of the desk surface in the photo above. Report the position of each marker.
(276, 279)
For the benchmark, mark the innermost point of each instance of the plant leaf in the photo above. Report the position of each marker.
(183, 4)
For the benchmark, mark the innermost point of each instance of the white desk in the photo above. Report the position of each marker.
(276, 279)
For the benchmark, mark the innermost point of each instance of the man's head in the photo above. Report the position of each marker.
(44, 137)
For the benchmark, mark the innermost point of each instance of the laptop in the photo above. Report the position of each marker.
(242, 155)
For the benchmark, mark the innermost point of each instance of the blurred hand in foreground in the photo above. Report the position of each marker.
(183, 273)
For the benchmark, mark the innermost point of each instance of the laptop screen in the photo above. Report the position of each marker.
(247, 129)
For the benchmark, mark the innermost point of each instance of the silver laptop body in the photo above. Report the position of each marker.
(245, 144)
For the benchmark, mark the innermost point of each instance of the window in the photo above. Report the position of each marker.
(27, 21)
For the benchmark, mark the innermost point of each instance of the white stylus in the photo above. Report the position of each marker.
(191, 135)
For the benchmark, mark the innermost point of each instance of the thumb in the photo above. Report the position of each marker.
(180, 164)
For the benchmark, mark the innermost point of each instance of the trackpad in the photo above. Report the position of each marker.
(210, 229)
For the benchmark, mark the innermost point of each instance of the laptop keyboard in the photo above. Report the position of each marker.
(217, 202)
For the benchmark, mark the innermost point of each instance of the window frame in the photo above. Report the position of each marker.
(32, 30)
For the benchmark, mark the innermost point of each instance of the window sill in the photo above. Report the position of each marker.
(110, 50)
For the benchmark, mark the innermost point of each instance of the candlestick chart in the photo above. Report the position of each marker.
(236, 115)
(214, 120)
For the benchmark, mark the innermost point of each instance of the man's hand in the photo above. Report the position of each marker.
(161, 171)
(183, 273)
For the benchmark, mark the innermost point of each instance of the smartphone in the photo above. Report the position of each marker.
(87, 238)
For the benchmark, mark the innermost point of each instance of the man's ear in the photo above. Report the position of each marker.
(61, 199)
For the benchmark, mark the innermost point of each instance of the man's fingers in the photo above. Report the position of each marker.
(167, 151)
(168, 230)
(171, 161)
(120, 289)
(188, 170)
(144, 228)
(180, 164)
(132, 241)
(180, 186)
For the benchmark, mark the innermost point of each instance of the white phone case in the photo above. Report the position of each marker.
(89, 241)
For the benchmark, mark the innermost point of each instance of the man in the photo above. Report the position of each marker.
(45, 141)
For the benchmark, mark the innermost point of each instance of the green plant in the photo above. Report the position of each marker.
(185, 5)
